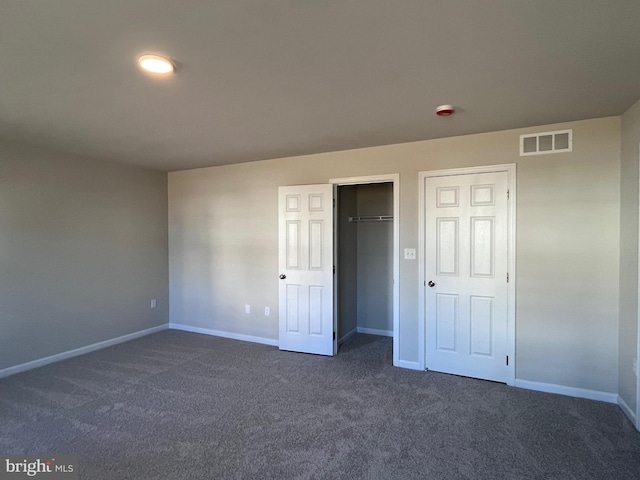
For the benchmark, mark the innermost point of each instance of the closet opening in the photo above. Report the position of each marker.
(365, 260)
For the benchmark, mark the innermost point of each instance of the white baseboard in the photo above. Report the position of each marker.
(373, 331)
(569, 391)
(408, 364)
(220, 333)
(627, 410)
(41, 362)
(347, 336)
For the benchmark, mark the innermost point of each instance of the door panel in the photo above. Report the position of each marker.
(481, 323)
(306, 322)
(482, 247)
(446, 321)
(466, 255)
(292, 305)
(293, 244)
(447, 246)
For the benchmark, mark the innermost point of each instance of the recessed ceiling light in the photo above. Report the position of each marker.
(156, 64)
(445, 110)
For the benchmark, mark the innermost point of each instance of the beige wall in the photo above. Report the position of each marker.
(630, 139)
(83, 249)
(223, 243)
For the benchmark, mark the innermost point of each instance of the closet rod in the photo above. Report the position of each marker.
(371, 218)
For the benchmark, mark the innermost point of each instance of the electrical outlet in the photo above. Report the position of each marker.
(247, 309)
(154, 303)
(267, 311)
(409, 253)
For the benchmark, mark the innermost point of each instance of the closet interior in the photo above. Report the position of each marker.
(365, 259)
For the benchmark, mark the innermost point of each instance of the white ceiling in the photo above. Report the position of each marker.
(262, 79)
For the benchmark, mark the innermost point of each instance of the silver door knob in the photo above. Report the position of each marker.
(431, 283)
(283, 276)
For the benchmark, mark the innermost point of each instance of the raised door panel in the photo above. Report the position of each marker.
(293, 245)
(293, 203)
(482, 195)
(482, 244)
(316, 309)
(481, 326)
(447, 246)
(447, 197)
(292, 310)
(446, 321)
(316, 202)
(316, 244)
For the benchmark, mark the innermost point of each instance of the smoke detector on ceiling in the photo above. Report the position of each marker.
(445, 110)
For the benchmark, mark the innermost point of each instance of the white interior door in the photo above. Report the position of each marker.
(306, 315)
(466, 275)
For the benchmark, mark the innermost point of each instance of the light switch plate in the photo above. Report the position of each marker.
(409, 253)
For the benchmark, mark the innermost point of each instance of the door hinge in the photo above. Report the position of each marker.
(334, 269)
(507, 277)
(507, 360)
(334, 203)
(334, 335)
(507, 194)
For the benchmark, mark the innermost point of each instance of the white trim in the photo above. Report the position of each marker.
(626, 409)
(41, 362)
(374, 331)
(637, 412)
(511, 258)
(395, 179)
(336, 280)
(220, 333)
(511, 268)
(348, 335)
(422, 274)
(363, 180)
(569, 391)
(407, 364)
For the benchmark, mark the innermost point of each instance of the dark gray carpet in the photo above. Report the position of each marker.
(177, 405)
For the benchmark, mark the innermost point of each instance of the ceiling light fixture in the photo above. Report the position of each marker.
(156, 64)
(445, 110)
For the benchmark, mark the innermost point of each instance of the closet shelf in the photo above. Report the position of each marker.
(371, 218)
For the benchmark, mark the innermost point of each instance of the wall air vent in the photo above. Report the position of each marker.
(547, 142)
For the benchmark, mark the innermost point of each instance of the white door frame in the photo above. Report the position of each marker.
(395, 179)
(511, 258)
(637, 412)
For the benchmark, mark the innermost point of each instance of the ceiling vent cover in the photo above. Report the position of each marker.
(547, 142)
